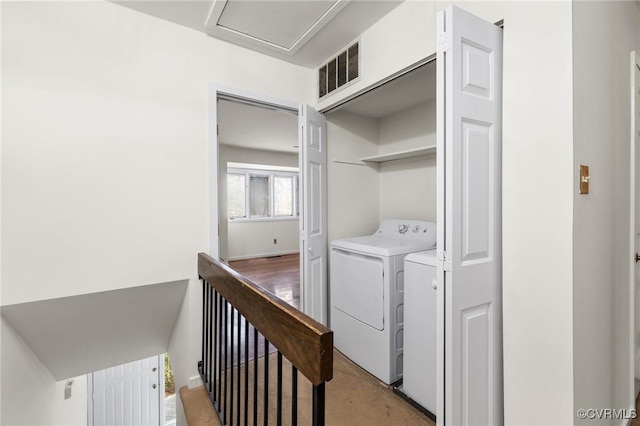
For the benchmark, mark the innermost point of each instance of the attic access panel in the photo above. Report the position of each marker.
(283, 26)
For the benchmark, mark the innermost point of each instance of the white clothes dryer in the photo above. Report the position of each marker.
(367, 294)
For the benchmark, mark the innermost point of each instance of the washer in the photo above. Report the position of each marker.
(367, 286)
(419, 375)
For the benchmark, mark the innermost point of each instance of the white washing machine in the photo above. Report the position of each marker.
(366, 291)
(419, 375)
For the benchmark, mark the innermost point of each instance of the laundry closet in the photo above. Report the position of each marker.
(387, 185)
(382, 207)
(381, 155)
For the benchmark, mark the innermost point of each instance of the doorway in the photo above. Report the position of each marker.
(138, 393)
(259, 195)
(310, 186)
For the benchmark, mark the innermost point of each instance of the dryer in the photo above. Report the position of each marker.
(367, 294)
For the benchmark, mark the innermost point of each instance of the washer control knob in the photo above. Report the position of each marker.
(416, 229)
(403, 229)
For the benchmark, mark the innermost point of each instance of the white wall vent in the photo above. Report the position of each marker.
(339, 71)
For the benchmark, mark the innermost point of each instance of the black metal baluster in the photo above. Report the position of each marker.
(246, 372)
(266, 382)
(232, 329)
(210, 315)
(226, 361)
(205, 325)
(238, 369)
(255, 376)
(204, 310)
(220, 349)
(216, 347)
(318, 405)
(294, 396)
(279, 391)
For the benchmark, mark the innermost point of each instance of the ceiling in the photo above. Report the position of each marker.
(257, 127)
(413, 88)
(266, 128)
(301, 32)
(76, 335)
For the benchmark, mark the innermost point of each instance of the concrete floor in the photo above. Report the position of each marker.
(170, 409)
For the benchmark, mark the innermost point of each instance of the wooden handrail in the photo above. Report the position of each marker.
(306, 343)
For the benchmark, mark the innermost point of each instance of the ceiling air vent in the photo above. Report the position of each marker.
(339, 71)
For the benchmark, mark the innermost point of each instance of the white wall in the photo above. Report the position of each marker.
(33, 395)
(403, 37)
(104, 152)
(601, 259)
(408, 186)
(243, 240)
(537, 212)
(105, 156)
(412, 128)
(105, 147)
(408, 189)
(403, 189)
(537, 186)
(255, 238)
(352, 187)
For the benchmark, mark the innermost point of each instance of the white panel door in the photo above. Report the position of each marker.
(128, 395)
(313, 259)
(470, 274)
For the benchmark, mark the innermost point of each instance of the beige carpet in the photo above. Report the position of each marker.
(353, 398)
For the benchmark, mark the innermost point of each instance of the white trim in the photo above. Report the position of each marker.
(219, 91)
(90, 399)
(249, 166)
(161, 384)
(194, 382)
(262, 219)
(634, 64)
(252, 98)
(229, 34)
(440, 219)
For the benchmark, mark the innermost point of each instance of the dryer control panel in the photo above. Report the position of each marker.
(414, 229)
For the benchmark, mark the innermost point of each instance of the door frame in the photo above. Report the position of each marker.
(215, 91)
(634, 140)
(161, 394)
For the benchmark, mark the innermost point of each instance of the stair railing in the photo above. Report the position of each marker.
(235, 313)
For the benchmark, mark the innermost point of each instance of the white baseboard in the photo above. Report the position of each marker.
(194, 382)
(257, 256)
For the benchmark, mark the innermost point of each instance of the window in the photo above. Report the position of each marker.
(262, 194)
(259, 196)
(283, 196)
(236, 189)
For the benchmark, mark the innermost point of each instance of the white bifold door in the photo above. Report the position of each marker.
(313, 224)
(469, 60)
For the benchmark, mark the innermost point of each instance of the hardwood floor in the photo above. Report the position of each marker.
(280, 275)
